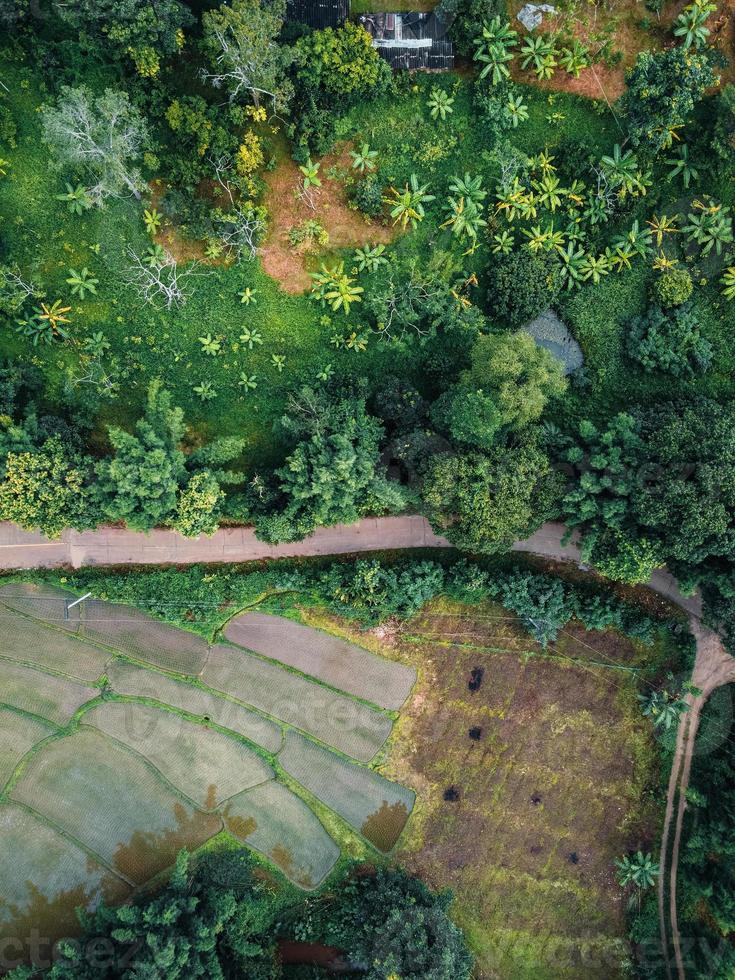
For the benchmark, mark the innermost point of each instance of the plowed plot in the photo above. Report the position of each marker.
(44, 879)
(277, 823)
(138, 682)
(28, 642)
(375, 807)
(205, 765)
(548, 792)
(112, 802)
(328, 658)
(139, 636)
(344, 724)
(18, 734)
(51, 697)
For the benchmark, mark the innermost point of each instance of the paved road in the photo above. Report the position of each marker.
(118, 546)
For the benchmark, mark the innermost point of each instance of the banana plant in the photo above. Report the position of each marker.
(335, 288)
(663, 225)
(364, 158)
(573, 265)
(574, 58)
(543, 161)
(152, 220)
(248, 381)
(502, 243)
(637, 239)
(154, 255)
(407, 206)
(470, 188)
(690, 24)
(54, 316)
(680, 164)
(495, 58)
(516, 110)
(465, 218)
(370, 257)
(82, 282)
(310, 172)
(205, 391)
(441, 103)
(251, 338)
(497, 31)
(549, 192)
(728, 281)
(540, 52)
(247, 295)
(595, 267)
(621, 169)
(664, 262)
(711, 228)
(211, 346)
(77, 199)
(621, 257)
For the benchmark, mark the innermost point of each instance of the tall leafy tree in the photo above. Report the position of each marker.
(333, 475)
(486, 502)
(663, 89)
(142, 29)
(102, 135)
(241, 41)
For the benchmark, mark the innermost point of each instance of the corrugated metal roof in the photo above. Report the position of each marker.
(411, 40)
(318, 13)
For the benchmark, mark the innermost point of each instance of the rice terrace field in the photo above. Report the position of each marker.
(123, 739)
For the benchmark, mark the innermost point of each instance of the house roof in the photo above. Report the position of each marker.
(318, 13)
(411, 40)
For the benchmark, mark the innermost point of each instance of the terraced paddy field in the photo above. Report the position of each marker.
(123, 739)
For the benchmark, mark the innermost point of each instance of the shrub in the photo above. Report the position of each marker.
(367, 195)
(669, 341)
(672, 288)
(522, 285)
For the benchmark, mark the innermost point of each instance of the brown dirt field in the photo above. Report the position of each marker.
(346, 227)
(561, 769)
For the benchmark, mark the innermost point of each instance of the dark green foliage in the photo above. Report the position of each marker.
(723, 141)
(367, 195)
(132, 26)
(332, 476)
(485, 503)
(210, 921)
(669, 341)
(672, 288)
(464, 18)
(520, 286)
(663, 89)
(391, 925)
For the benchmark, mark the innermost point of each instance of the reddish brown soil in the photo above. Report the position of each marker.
(346, 227)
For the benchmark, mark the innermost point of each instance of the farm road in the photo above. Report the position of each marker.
(713, 668)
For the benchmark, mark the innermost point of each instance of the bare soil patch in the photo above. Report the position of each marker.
(347, 227)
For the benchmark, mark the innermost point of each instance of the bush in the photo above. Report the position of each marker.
(669, 341)
(367, 195)
(672, 288)
(520, 286)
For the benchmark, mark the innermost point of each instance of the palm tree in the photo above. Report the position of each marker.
(728, 281)
(680, 164)
(336, 288)
(407, 206)
(82, 282)
(370, 258)
(364, 158)
(689, 25)
(440, 103)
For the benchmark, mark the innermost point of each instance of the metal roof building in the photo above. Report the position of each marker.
(411, 40)
(318, 14)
